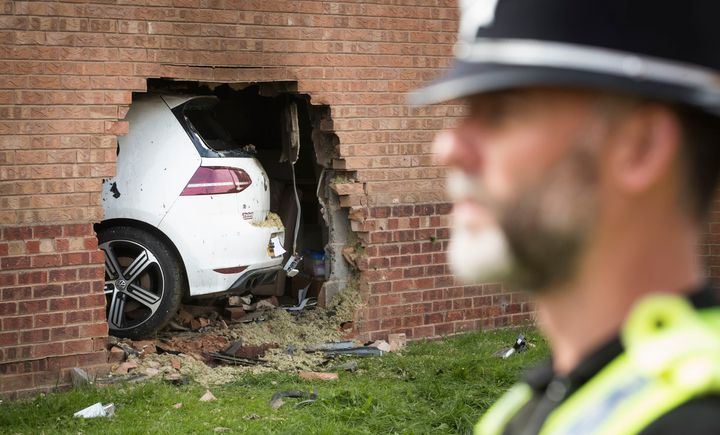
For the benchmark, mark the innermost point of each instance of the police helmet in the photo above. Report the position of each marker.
(661, 49)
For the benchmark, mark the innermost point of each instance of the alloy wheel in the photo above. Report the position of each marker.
(134, 284)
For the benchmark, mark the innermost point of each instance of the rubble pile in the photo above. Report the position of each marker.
(215, 344)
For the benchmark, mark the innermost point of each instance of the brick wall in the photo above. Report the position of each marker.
(52, 309)
(67, 75)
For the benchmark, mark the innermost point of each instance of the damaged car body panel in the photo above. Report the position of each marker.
(192, 194)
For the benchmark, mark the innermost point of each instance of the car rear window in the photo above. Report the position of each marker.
(199, 117)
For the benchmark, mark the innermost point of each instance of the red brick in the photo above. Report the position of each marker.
(15, 382)
(75, 258)
(32, 246)
(9, 338)
(8, 308)
(17, 233)
(94, 358)
(36, 277)
(77, 346)
(91, 273)
(50, 319)
(17, 323)
(94, 330)
(16, 294)
(59, 275)
(47, 291)
(77, 230)
(47, 349)
(32, 307)
(64, 333)
(63, 304)
(433, 318)
(35, 336)
(84, 316)
(77, 288)
(46, 260)
(8, 263)
(423, 331)
(47, 231)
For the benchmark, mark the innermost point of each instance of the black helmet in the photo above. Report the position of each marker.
(667, 50)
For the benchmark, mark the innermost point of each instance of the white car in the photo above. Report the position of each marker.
(186, 215)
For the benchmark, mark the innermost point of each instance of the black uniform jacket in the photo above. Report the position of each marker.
(699, 416)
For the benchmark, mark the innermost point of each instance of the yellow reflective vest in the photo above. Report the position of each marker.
(672, 355)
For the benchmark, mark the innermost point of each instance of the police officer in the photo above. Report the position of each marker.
(583, 172)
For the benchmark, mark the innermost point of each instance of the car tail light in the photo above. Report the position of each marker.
(216, 180)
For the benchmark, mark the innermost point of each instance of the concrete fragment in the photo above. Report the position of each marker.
(268, 304)
(79, 377)
(208, 397)
(235, 301)
(151, 371)
(177, 405)
(380, 344)
(397, 341)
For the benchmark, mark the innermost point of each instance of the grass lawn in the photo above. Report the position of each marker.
(434, 387)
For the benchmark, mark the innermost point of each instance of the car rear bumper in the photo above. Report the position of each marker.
(219, 249)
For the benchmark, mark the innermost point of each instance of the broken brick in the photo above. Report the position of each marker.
(116, 355)
(235, 313)
(125, 367)
(318, 376)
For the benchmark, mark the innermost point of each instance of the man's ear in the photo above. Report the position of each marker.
(646, 145)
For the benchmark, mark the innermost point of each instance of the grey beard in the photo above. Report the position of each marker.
(548, 226)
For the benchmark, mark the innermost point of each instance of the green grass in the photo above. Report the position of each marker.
(437, 387)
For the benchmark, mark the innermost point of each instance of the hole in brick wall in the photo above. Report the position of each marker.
(270, 123)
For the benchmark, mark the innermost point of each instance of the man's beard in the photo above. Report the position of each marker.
(537, 237)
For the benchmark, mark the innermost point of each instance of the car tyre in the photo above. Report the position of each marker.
(144, 281)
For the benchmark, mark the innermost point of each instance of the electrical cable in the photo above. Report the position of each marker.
(297, 204)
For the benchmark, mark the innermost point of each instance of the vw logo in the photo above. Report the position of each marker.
(121, 284)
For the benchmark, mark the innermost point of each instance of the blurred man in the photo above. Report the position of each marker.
(582, 172)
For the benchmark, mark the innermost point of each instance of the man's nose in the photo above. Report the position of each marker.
(453, 148)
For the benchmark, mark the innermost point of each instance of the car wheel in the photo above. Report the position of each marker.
(144, 281)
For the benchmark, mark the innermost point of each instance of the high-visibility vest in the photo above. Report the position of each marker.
(672, 355)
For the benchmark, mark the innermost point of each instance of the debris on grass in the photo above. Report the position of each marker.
(318, 376)
(362, 351)
(397, 342)
(346, 344)
(125, 367)
(208, 397)
(96, 410)
(220, 352)
(276, 401)
(520, 345)
(79, 377)
(380, 344)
